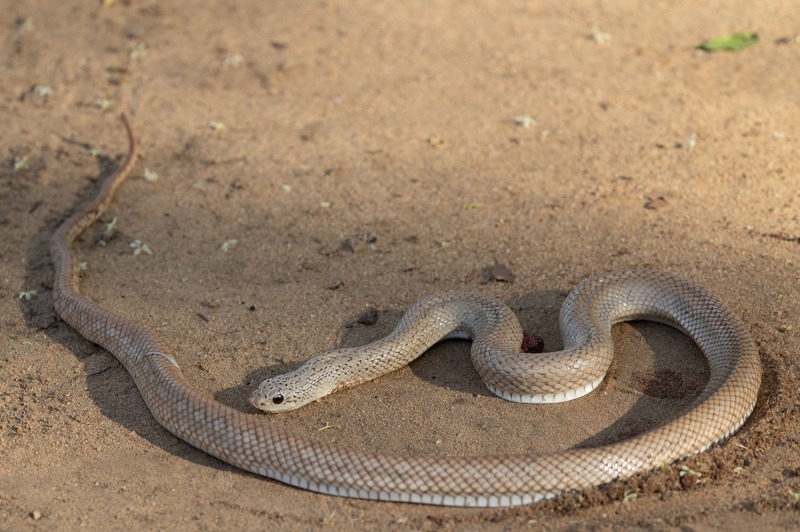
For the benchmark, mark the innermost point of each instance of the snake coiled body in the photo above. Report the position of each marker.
(253, 444)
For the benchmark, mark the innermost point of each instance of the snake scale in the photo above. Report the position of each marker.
(253, 444)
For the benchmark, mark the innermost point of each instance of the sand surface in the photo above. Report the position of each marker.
(364, 155)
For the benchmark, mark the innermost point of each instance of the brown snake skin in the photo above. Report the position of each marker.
(251, 443)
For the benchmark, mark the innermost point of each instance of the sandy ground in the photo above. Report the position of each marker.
(369, 157)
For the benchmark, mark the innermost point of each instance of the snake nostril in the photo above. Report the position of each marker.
(278, 399)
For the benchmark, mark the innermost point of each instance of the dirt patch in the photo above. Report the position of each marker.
(309, 171)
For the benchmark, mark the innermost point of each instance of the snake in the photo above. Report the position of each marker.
(250, 442)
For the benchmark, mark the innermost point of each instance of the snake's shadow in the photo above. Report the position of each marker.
(108, 383)
(663, 387)
(446, 365)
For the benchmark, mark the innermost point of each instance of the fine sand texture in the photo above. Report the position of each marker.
(311, 169)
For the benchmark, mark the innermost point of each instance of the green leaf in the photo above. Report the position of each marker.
(733, 42)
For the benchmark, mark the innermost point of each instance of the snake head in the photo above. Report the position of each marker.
(290, 391)
(273, 395)
(310, 382)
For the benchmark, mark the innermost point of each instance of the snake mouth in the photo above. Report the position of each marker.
(256, 399)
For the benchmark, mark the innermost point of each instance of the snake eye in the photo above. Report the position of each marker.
(278, 399)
